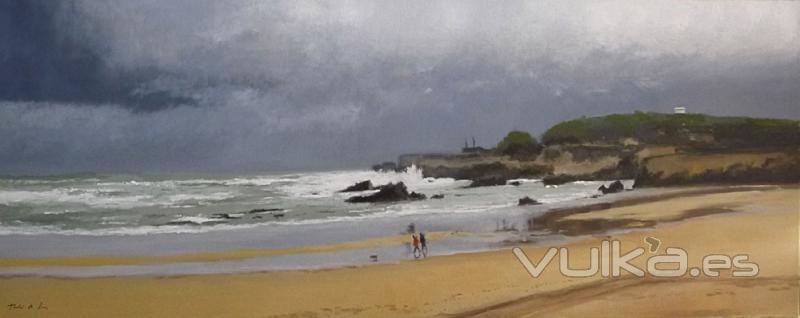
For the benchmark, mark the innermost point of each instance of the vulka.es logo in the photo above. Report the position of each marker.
(610, 262)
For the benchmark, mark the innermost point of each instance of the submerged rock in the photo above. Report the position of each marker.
(558, 179)
(416, 196)
(528, 201)
(388, 193)
(258, 211)
(361, 186)
(488, 181)
(226, 216)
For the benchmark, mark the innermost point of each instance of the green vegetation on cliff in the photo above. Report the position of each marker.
(518, 142)
(698, 130)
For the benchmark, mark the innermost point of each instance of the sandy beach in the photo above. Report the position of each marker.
(760, 223)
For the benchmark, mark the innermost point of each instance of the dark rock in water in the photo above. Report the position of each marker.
(528, 201)
(558, 179)
(226, 216)
(264, 210)
(389, 192)
(437, 196)
(181, 223)
(614, 187)
(361, 186)
(385, 166)
(515, 183)
(488, 181)
(277, 215)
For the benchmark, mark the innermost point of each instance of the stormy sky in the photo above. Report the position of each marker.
(223, 85)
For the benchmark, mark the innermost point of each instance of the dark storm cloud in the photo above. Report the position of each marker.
(44, 57)
(306, 84)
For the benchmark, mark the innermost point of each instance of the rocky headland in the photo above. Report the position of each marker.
(655, 149)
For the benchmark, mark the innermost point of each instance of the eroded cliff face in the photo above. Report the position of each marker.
(649, 165)
(570, 162)
(777, 166)
(592, 162)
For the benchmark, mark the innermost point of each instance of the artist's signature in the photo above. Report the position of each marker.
(29, 306)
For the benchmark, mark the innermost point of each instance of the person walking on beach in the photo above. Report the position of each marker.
(415, 243)
(424, 244)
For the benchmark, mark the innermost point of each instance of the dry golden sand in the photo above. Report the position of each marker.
(765, 226)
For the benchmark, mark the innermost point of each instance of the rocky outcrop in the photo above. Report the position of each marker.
(484, 169)
(488, 181)
(527, 201)
(388, 193)
(643, 146)
(558, 179)
(360, 186)
(614, 187)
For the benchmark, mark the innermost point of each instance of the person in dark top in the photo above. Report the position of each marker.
(424, 244)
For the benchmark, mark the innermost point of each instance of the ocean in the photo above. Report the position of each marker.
(166, 215)
(140, 205)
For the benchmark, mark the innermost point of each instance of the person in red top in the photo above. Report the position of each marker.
(415, 242)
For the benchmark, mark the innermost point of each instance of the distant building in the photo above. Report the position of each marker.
(473, 149)
(680, 110)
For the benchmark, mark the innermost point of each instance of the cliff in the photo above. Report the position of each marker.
(721, 168)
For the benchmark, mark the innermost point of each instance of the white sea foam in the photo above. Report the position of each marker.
(328, 184)
(196, 197)
(195, 219)
(87, 197)
(144, 205)
(99, 198)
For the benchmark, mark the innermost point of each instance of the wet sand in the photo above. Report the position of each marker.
(213, 255)
(760, 223)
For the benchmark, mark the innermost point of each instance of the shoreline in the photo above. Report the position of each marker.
(488, 283)
(558, 221)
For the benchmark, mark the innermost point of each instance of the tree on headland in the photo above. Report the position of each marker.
(518, 143)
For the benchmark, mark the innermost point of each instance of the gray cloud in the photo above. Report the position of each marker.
(47, 55)
(232, 85)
